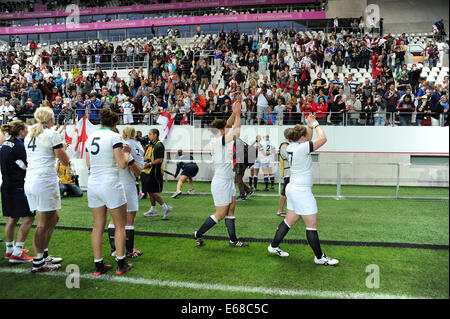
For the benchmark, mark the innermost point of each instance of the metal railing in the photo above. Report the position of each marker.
(150, 118)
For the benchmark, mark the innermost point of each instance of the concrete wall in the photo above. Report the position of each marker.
(368, 155)
(345, 8)
(413, 16)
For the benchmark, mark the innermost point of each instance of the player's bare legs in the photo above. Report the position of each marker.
(99, 215)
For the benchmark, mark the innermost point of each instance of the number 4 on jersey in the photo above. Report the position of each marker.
(32, 144)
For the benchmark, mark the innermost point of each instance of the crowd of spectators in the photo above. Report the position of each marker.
(201, 82)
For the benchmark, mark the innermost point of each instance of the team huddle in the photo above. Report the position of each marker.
(30, 185)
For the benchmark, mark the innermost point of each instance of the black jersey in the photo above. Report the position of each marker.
(13, 162)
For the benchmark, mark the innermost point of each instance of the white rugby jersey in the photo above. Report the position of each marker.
(40, 155)
(126, 175)
(137, 152)
(100, 146)
(222, 156)
(300, 163)
(266, 148)
(127, 108)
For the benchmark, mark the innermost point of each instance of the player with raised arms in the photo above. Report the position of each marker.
(222, 185)
(300, 200)
(105, 156)
(43, 147)
(127, 177)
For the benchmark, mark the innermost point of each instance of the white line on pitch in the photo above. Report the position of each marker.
(244, 289)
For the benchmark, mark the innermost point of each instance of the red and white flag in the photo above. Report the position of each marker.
(184, 121)
(78, 137)
(166, 120)
(310, 46)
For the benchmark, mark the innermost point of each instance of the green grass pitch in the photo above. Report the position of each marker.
(175, 268)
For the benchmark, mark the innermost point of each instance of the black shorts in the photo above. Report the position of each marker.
(190, 172)
(152, 183)
(286, 181)
(14, 203)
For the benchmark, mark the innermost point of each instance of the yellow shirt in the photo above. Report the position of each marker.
(150, 155)
(65, 175)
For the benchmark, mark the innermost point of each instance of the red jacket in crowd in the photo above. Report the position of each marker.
(321, 110)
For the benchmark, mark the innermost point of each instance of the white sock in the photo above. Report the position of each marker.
(9, 247)
(164, 206)
(18, 249)
(153, 208)
(111, 226)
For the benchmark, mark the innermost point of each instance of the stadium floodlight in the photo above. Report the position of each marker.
(221, 8)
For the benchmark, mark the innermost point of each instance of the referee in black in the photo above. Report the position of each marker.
(13, 163)
(152, 175)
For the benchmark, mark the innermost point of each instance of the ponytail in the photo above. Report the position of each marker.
(43, 116)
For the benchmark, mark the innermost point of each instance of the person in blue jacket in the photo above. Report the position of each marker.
(94, 107)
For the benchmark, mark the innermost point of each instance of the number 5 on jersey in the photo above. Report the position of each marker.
(96, 145)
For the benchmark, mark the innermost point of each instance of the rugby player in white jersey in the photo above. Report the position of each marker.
(43, 146)
(254, 170)
(300, 200)
(222, 185)
(266, 157)
(105, 156)
(127, 108)
(128, 177)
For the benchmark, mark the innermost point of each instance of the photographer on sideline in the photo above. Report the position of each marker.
(68, 181)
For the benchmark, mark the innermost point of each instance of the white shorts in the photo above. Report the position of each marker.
(128, 119)
(131, 195)
(257, 164)
(110, 194)
(223, 191)
(43, 195)
(300, 200)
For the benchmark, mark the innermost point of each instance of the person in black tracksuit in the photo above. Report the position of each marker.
(188, 171)
(13, 162)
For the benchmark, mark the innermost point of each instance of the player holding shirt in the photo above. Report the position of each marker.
(43, 147)
(127, 177)
(105, 156)
(222, 185)
(300, 200)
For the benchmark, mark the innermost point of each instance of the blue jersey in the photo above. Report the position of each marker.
(190, 166)
(13, 162)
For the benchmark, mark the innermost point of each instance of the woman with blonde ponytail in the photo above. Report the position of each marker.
(43, 146)
(128, 177)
